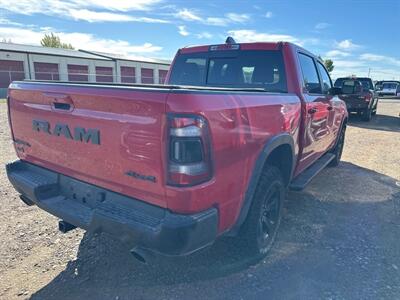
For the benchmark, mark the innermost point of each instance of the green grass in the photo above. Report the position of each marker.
(2, 100)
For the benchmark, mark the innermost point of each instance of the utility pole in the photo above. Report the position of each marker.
(369, 72)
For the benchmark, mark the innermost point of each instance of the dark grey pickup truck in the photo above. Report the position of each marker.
(359, 95)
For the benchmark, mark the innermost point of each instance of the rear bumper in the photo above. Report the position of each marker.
(357, 106)
(134, 222)
(386, 93)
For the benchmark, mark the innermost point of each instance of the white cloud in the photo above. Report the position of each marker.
(268, 14)
(29, 7)
(187, 15)
(379, 67)
(337, 53)
(380, 58)
(119, 5)
(229, 18)
(4, 21)
(372, 57)
(79, 40)
(183, 31)
(84, 10)
(342, 63)
(238, 18)
(204, 35)
(346, 45)
(321, 26)
(246, 35)
(93, 16)
(216, 21)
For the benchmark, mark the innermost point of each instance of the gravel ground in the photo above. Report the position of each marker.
(339, 240)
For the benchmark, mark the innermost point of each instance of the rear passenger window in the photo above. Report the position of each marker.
(310, 74)
(326, 80)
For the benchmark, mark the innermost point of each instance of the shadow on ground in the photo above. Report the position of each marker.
(339, 239)
(378, 122)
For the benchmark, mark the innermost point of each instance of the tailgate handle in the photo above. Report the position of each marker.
(62, 106)
(60, 101)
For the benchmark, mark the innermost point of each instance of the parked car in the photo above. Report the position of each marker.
(388, 88)
(359, 95)
(170, 168)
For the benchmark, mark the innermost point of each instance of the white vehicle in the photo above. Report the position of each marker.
(389, 89)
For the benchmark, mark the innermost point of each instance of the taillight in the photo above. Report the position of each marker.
(368, 97)
(189, 150)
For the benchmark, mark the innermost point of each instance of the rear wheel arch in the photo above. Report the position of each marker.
(278, 151)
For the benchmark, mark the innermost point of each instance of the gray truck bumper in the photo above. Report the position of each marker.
(134, 222)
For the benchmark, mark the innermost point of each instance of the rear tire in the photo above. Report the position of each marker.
(367, 114)
(338, 150)
(264, 217)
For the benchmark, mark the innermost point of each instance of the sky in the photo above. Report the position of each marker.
(360, 37)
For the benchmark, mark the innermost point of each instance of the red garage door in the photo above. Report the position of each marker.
(78, 73)
(46, 71)
(128, 75)
(147, 75)
(11, 70)
(162, 74)
(104, 74)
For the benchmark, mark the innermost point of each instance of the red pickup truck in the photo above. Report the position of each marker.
(170, 168)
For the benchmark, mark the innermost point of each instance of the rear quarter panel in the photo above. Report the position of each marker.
(240, 124)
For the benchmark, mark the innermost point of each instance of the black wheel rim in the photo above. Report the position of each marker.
(269, 218)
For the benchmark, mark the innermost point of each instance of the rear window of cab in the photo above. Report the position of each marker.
(366, 83)
(231, 69)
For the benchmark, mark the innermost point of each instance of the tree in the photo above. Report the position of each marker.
(53, 41)
(328, 64)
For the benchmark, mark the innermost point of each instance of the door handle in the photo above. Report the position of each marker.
(312, 110)
(329, 108)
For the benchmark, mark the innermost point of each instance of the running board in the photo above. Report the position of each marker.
(301, 181)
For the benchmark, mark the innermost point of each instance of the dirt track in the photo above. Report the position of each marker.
(339, 239)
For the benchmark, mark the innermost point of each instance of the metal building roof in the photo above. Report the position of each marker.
(76, 53)
(48, 51)
(129, 58)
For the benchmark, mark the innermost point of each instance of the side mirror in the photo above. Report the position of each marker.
(334, 91)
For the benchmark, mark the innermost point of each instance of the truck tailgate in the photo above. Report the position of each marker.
(108, 136)
(354, 101)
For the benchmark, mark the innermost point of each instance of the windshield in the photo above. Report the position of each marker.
(231, 69)
(365, 82)
(389, 86)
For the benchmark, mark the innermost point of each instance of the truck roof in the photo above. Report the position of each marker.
(243, 46)
(246, 46)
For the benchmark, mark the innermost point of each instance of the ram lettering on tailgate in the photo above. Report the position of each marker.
(80, 134)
